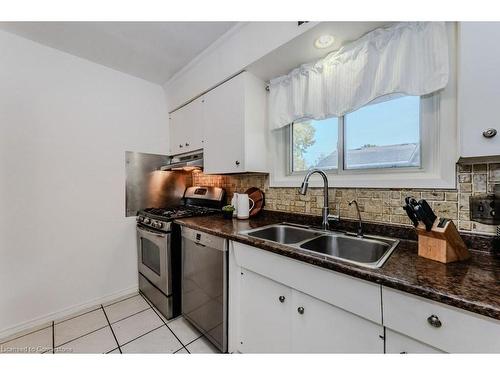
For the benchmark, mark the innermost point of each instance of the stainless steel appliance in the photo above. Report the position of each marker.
(185, 162)
(204, 284)
(148, 185)
(159, 246)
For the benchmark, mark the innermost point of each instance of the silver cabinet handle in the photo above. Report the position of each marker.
(300, 310)
(281, 299)
(434, 321)
(489, 133)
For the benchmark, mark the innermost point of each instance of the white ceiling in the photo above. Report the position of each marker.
(154, 51)
(301, 50)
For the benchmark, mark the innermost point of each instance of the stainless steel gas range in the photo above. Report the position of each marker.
(159, 246)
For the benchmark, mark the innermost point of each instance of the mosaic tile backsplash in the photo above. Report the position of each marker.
(376, 205)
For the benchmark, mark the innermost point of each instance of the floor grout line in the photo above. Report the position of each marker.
(98, 329)
(129, 316)
(113, 332)
(79, 315)
(13, 337)
(190, 342)
(25, 334)
(164, 322)
(79, 337)
(53, 338)
(114, 303)
(144, 334)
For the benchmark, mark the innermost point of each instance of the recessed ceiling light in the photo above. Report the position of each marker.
(324, 41)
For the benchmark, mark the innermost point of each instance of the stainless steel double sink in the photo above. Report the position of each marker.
(367, 251)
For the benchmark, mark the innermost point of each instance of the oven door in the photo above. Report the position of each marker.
(154, 258)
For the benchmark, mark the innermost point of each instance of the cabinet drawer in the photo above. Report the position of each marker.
(443, 327)
(397, 343)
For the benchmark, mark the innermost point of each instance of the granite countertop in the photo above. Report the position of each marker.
(471, 285)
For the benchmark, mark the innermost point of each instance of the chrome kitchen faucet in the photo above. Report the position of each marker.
(325, 210)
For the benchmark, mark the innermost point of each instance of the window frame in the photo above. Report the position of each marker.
(439, 147)
(429, 103)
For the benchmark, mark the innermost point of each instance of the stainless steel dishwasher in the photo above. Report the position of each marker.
(204, 284)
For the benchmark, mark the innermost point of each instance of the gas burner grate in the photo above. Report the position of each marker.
(178, 212)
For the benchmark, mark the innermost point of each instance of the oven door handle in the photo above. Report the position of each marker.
(161, 235)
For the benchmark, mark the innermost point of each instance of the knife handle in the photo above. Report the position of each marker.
(411, 214)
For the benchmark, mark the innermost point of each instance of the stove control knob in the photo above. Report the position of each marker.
(146, 221)
(159, 225)
(155, 224)
(140, 219)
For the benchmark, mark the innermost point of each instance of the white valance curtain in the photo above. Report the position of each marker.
(409, 58)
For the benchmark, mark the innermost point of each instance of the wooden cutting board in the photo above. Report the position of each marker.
(258, 197)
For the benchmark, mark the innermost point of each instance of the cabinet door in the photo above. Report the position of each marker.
(479, 88)
(224, 118)
(177, 132)
(398, 343)
(318, 327)
(193, 125)
(264, 322)
(444, 327)
(186, 128)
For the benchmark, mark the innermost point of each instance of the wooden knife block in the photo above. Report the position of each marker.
(441, 244)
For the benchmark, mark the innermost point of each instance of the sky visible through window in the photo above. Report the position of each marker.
(388, 123)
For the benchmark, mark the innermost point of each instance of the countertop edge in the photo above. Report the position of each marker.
(339, 266)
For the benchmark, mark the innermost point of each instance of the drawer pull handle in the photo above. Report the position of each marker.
(434, 321)
(489, 133)
(300, 310)
(281, 299)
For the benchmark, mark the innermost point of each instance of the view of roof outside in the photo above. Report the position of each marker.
(382, 135)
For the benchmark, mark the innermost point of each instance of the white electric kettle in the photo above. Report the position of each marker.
(242, 207)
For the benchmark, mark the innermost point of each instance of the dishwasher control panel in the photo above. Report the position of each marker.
(204, 239)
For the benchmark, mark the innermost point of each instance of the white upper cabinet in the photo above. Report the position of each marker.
(235, 126)
(186, 128)
(479, 88)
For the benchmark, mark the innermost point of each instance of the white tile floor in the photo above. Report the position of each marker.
(130, 325)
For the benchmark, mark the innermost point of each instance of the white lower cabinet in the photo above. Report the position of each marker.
(265, 319)
(397, 343)
(440, 326)
(281, 305)
(318, 327)
(268, 316)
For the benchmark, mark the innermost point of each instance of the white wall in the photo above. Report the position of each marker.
(65, 124)
(230, 54)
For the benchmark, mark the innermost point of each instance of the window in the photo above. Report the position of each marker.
(315, 144)
(420, 133)
(382, 135)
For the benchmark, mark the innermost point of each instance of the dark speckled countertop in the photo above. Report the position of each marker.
(472, 285)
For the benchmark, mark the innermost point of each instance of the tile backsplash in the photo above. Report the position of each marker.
(377, 205)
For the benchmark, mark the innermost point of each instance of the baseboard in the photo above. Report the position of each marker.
(18, 328)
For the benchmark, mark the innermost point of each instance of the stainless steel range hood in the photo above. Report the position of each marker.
(185, 162)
